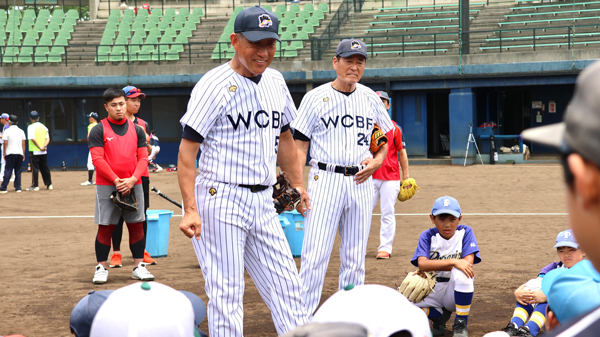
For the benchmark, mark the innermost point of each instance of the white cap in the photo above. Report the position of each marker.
(382, 310)
(144, 309)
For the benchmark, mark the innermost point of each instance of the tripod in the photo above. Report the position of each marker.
(469, 141)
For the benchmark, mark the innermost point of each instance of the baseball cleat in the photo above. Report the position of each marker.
(511, 329)
(87, 183)
(115, 261)
(49, 187)
(101, 275)
(383, 255)
(141, 273)
(523, 332)
(148, 259)
(439, 324)
(460, 328)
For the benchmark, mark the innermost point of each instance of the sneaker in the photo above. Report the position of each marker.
(523, 332)
(460, 328)
(5, 191)
(141, 273)
(158, 168)
(18, 191)
(148, 259)
(32, 189)
(101, 275)
(115, 261)
(383, 255)
(49, 187)
(87, 183)
(511, 329)
(439, 324)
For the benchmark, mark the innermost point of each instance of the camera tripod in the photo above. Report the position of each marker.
(469, 141)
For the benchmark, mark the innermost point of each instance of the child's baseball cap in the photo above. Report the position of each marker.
(4, 116)
(572, 292)
(382, 310)
(84, 312)
(145, 309)
(446, 205)
(566, 239)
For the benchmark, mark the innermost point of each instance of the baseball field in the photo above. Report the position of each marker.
(47, 244)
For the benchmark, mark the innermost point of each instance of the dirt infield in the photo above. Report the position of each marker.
(47, 264)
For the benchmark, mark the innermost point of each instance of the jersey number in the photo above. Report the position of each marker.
(276, 143)
(362, 140)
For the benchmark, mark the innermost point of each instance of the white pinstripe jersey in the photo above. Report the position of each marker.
(241, 122)
(340, 126)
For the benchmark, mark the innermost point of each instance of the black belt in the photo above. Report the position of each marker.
(345, 170)
(442, 279)
(255, 188)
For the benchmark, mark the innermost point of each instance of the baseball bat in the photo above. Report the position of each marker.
(153, 189)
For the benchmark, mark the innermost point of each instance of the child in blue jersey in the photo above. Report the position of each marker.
(530, 312)
(450, 249)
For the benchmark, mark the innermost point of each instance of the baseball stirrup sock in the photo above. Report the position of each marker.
(521, 314)
(463, 305)
(537, 320)
(137, 240)
(103, 242)
(432, 312)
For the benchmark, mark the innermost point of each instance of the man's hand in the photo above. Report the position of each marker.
(372, 165)
(124, 185)
(191, 225)
(302, 208)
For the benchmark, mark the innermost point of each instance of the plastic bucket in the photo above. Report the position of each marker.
(157, 240)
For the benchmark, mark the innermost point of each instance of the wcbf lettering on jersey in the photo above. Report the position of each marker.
(240, 121)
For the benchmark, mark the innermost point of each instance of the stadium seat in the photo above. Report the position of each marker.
(308, 8)
(124, 30)
(10, 54)
(154, 32)
(294, 8)
(25, 55)
(178, 47)
(102, 55)
(167, 19)
(172, 54)
(58, 13)
(60, 43)
(186, 32)
(138, 24)
(194, 19)
(47, 34)
(40, 26)
(15, 38)
(180, 18)
(290, 53)
(190, 25)
(73, 13)
(116, 56)
(111, 26)
(324, 7)
(292, 29)
(32, 34)
(126, 20)
(299, 21)
(170, 32)
(318, 14)
(106, 40)
(128, 13)
(40, 55)
(43, 13)
(67, 27)
(65, 33)
(170, 12)
(26, 27)
(55, 55)
(302, 35)
(155, 13)
(141, 33)
(313, 21)
(165, 40)
(142, 14)
(153, 19)
(184, 11)
(150, 25)
(198, 11)
(281, 9)
(304, 15)
(177, 25)
(163, 25)
(285, 22)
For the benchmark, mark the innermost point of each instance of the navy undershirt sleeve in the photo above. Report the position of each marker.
(300, 136)
(191, 134)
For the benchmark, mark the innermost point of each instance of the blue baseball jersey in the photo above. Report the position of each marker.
(434, 247)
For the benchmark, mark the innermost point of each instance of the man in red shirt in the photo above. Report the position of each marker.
(120, 155)
(386, 181)
(133, 101)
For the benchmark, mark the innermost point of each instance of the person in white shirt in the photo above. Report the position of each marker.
(3, 123)
(13, 152)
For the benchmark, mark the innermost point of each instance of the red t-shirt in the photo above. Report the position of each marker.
(390, 169)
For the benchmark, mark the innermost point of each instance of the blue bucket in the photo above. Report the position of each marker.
(157, 240)
(294, 233)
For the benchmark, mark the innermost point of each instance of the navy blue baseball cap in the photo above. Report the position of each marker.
(349, 47)
(84, 312)
(34, 114)
(94, 115)
(446, 205)
(257, 23)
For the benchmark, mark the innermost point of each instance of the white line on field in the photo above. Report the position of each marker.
(398, 214)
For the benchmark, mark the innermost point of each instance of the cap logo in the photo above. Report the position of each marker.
(354, 45)
(567, 234)
(446, 202)
(264, 21)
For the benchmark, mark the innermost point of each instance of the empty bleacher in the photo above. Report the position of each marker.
(529, 26)
(35, 38)
(296, 26)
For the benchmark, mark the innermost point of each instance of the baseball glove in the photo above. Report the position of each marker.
(125, 202)
(378, 139)
(407, 193)
(415, 287)
(285, 197)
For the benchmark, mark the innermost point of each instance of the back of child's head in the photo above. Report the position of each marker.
(446, 205)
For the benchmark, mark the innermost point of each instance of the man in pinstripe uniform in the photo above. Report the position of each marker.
(337, 118)
(239, 115)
